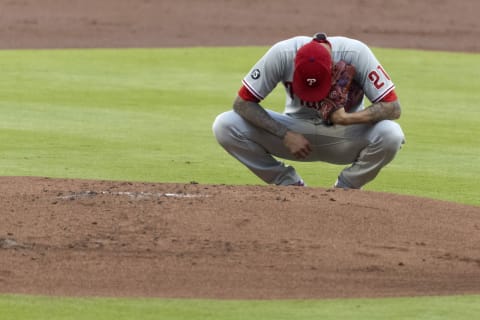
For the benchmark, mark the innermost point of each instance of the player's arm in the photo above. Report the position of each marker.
(387, 109)
(377, 86)
(254, 113)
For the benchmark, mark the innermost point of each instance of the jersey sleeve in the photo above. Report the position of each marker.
(390, 97)
(246, 95)
(375, 81)
(265, 74)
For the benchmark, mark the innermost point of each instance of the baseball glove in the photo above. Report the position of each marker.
(344, 93)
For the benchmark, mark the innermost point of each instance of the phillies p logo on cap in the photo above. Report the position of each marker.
(313, 72)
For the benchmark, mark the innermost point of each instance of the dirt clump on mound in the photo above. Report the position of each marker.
(103, 238)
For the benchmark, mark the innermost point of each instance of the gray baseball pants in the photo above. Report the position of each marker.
(368, 148)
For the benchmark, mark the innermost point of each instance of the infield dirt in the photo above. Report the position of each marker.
(104, 238)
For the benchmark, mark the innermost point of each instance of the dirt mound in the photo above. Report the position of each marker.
(74, 237)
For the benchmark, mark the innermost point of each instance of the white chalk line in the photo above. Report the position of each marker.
(135, 195)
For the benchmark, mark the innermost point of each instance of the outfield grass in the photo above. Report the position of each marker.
(422, 308)
(146, 115)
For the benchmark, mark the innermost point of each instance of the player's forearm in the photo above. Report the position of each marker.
(374, 113)
(384, 111)
(255, 114)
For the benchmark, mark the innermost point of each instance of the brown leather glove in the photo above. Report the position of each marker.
(344, 93)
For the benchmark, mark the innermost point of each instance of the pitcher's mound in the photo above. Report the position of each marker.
(103, 238)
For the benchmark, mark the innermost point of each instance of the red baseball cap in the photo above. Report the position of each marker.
(313, 72)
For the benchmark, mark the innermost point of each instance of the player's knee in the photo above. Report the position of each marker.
(222, 127)
(219, 127)
(392, 136)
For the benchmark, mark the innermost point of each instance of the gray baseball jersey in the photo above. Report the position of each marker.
(277, 66)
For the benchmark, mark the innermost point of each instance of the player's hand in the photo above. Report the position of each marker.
(340, 116)
(297, 144)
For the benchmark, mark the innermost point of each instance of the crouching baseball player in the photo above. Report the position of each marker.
(325, 80)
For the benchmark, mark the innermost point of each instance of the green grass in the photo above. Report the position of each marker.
(146, 115)
(439, 95)
(106, 114)
(423, 308)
